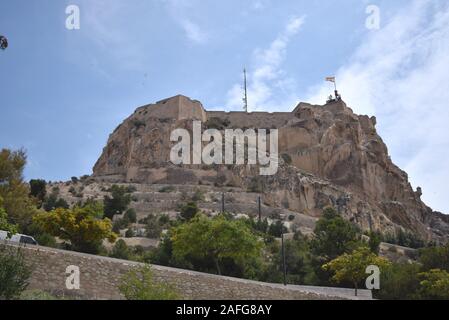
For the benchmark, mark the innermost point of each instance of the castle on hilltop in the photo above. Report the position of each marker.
(329, 156)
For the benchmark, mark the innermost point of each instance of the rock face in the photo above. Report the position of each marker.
(329, 156)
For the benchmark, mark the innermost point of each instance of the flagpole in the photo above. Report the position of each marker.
(335, 86)
(334, 80)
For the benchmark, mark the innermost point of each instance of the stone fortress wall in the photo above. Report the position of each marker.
(178, 107)
(183, 108)
(256, 120)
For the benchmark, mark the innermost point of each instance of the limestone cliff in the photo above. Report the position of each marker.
(329, 156)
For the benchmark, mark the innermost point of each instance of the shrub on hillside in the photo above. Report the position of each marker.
(131, 216)
(435, 258)
(153, 227)
(129, 233)
(198, 196)
(167, 189)
(118, 202)
(287, 158)
(399, 281)
(189, 211)
(52, 203)
(14, 273)
(217, 123)
(139, 284)
(434, 284)
(256, 185)
(119, 224)
(164, 220)
(120, 250)
(405, 239)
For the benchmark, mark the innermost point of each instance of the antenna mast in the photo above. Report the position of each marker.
(245, 97)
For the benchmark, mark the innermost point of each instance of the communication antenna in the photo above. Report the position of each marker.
(245, 96)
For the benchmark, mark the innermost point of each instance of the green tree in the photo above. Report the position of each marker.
(409, 239)
(38, 189)
(260, 226)
(298, 261)
(375, 238)
(52, 202)
(435, 258)
(94, 207)
(4, 224)
(399, 282)
(333, 235)
(79, 226)
(352, 267)
(435, 284)
(277, 229)
(139, 284)
(14, 273)
(406, 239)
(216, 239)
(163, 254)
(118, 202)
(14, 191)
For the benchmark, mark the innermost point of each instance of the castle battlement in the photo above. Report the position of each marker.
(181, 107)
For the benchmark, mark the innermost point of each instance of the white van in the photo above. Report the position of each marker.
(19, 238)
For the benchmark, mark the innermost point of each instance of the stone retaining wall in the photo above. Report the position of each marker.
(100, 277)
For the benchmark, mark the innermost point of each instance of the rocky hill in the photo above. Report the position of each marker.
(329, 157)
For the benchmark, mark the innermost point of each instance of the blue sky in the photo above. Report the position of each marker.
(64, 91)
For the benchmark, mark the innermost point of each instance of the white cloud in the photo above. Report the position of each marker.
(268, 76)
(193, 32)
(181, 11)
(399, 74)
(102, 25)
(259, 4)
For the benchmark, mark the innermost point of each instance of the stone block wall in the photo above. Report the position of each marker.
(100, 278)
(255, 120)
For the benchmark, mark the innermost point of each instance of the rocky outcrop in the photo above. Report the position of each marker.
(329, 156)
